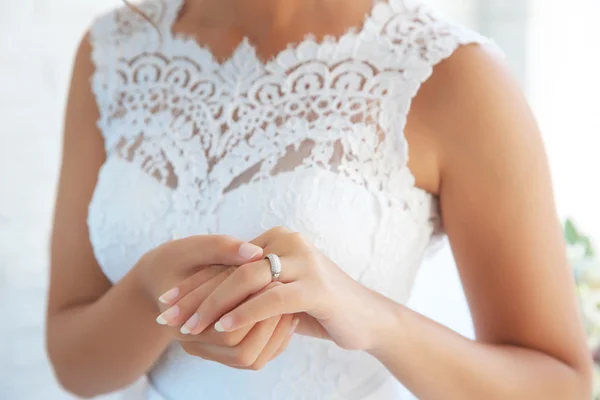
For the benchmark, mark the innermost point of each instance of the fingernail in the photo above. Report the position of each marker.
(169, 296)
(164, 318)
(223, 324)
(189, 326)
(295, 323)
(249, 251)
(219, 327)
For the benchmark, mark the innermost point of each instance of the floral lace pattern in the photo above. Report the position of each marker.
(311, 139)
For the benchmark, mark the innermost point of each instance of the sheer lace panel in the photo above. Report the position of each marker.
(333, 102)
(209, 127)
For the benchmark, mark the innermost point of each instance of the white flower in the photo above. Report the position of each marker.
(591, 306)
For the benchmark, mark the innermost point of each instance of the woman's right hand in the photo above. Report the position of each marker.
(249, 348)
(202, 256)
(197, 265)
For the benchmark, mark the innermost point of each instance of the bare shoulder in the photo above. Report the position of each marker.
(83, 64)
(471, 107)
(473, 100)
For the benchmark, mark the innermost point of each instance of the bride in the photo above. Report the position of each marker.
(238, 216)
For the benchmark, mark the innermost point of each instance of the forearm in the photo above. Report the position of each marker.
(105, 345)
(437, 363)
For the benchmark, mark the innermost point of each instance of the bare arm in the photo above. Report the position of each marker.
(102, 337)
(99, 337)
(499, 213)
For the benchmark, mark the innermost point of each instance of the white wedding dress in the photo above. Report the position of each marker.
(311, 140)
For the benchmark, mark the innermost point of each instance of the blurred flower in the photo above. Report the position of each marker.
(586, 269)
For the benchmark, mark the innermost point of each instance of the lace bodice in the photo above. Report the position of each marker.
(311, 139)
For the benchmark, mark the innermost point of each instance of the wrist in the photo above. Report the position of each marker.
(139, 287)
(387, 330)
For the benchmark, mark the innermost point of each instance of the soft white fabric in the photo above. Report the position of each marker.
(311, 140)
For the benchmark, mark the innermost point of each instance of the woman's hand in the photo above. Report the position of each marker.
(251, 347)
(172, 262)
(350, 314)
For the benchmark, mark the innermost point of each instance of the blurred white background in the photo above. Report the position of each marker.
(553, 47)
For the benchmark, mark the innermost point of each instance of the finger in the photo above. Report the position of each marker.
(214, 249)
(181, 312)
(248, 351)
(291, 270)
(270, 235)
(280, 334)
(245, 281)
(211, 336)
(284, 345)
(284, 299)
(309, 326)
(245, 354)
(225, 338)
(175, 294)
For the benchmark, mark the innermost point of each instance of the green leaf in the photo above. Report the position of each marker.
(571, 234)
(589, 249)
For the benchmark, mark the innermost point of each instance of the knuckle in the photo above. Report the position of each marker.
(228, 271)
(279, 297)
(257, 366)
(212, 269)
(150, 258)
(298, 239)
(244, 274)
(295, 296)
(208, 273)
(321, 278)
(313, 260)
(224, 239)
(231, 339)
(244, 357)
(280, 230)
(190, 349)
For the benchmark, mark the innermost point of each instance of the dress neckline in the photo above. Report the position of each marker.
(378, 11)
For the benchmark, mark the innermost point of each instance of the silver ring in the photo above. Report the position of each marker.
(275, 266)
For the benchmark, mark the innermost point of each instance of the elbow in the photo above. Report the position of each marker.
(74, 388)
(78, 377)
(85, 385)
(578, 381)
(69, 380)
(66, 370)
(585, 380)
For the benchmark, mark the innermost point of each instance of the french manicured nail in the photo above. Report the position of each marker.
(164, 318)
(169, 296)
(249, 251)
(189, 326)
(295, 323)
(223, 325)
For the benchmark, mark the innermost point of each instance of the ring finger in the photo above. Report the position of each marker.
(245, 281)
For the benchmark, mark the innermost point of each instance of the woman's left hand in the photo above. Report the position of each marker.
(351, 315)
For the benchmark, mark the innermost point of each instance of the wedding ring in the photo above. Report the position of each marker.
(275, 266)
